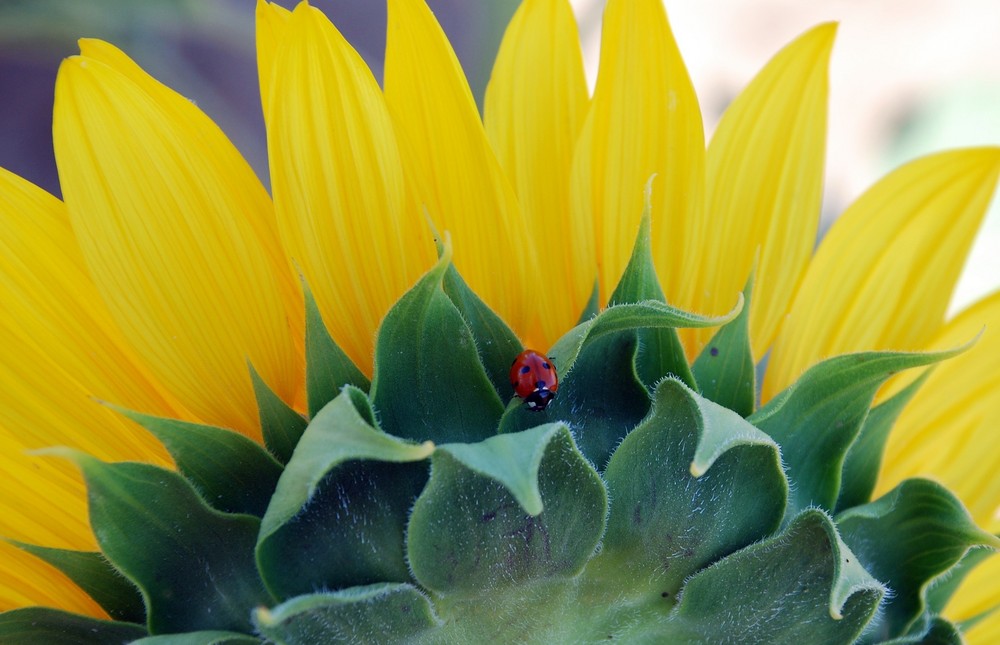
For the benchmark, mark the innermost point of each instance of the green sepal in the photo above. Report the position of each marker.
(340, 507)
(817, 418)
(193, 564)
(328, 368)
(200, 638)
(661, 352)
(429, 382)
(496, 343)
(724, 370)
(381, 613)
(43, 625)
(692, 483)
(593, 306)
(801, 586)
(509, 510)
(95, 575)
(281, 426)
(233, 473)
(907, 538)
(864, 457)
(937, 631)
(602, 396)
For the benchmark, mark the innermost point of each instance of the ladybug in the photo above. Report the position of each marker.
(534, 379)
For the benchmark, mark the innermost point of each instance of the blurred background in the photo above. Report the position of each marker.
(908, 77)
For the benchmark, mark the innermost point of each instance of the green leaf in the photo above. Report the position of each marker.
(42, 625)
(802, 586)
(200, 638)
(692, 483)
(496, 343)
(429, 382)
(818, 417)
(508, 510)
(382, 613)
(938, 631)
(233, 473)
(864, 457)
(340, 508)
(327, 366)
(911, 535)
(724, 370)
(602, 398)
(661, 351)
(193, 564)
(95, 575)
(593, 307)
(280, 424)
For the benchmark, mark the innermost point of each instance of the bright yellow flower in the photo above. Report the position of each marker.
(169, 267)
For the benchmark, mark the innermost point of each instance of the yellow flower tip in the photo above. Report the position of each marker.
(697, 470)
(264, 616)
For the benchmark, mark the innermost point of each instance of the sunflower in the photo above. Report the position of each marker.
(168, 269)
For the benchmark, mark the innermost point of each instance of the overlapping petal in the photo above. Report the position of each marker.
(764, 188)
(178, 235)
(453, 170)
(329, 133)
(883, 275)
(535, 106)
(271, 22)
(644, 119)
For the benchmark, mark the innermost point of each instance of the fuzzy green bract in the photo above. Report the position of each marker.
(649, 503)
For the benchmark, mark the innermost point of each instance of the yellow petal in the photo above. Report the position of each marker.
(178, 235)
(271, 22)
(884, 273)
(28, 581)
(764, 181)
(338, 184)
(948, 431)
(453, 170)
(644, 119)
(535, 105)
(978, 593)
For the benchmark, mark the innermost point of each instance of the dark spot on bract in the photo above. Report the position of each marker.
(714, 351)
(664, 594)
(489, 517)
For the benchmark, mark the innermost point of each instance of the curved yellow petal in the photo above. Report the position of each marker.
(644, 120)
(884, 273)
(329, 133)
(452, 167)
(535, 106)
(764, 182)
(949, 430)
(179, 237)
(271, 22)
(28, 581)
(978, 593)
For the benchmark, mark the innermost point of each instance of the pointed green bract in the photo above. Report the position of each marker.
(195, 566)
(496, 343)
(802, 586)
(280, 425)
(340, 505)
(200, 638)
(692, 483)
(661, 353)
(938, 631)
(906, 538)
(724, 370)
(819, 416)
(37, 625)
(469, 534)
(95, 575)
(864, 457)
(429, 382)
(233, 473)
(327, 366)
(383, 613)
(592, 308)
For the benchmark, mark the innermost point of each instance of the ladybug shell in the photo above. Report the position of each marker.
(534, 379)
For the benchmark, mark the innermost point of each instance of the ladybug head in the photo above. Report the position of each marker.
(539, 399)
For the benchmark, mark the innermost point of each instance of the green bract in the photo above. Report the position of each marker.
(649, 502)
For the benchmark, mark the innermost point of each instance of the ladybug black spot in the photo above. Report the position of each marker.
(525, 369)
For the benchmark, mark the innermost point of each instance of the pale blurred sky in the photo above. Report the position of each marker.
(908, 77)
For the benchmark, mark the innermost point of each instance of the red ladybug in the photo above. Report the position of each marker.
(534, 379)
